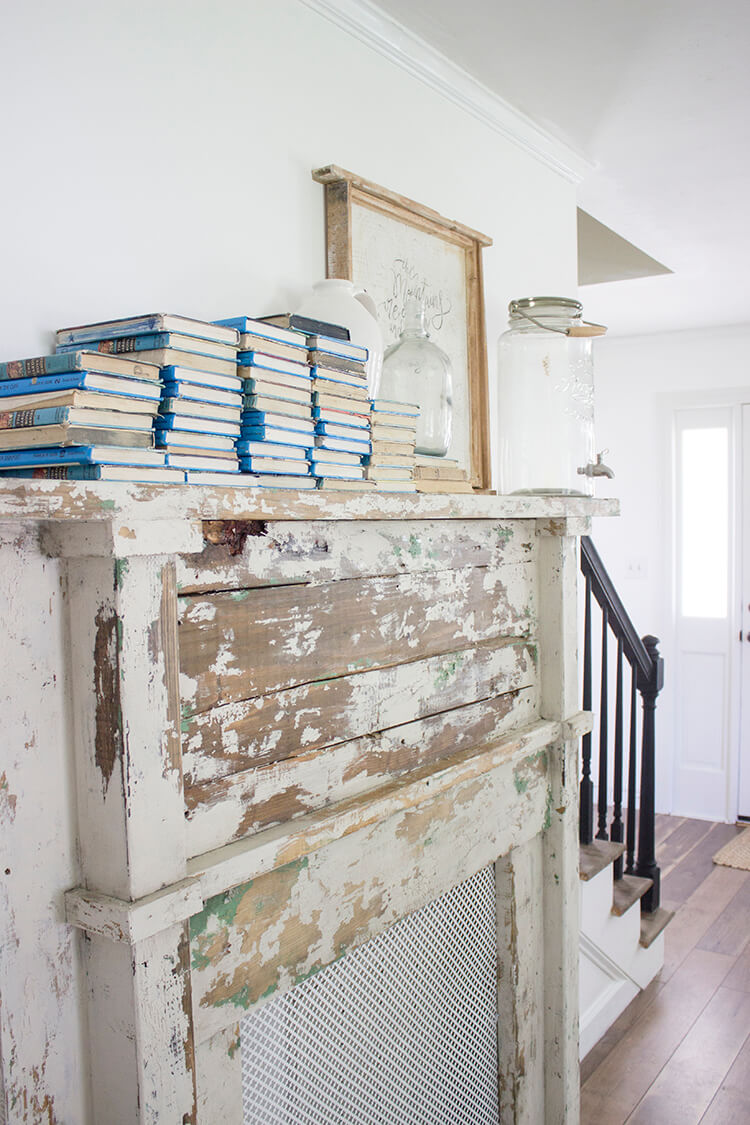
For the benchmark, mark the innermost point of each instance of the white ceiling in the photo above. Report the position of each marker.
(657, 95)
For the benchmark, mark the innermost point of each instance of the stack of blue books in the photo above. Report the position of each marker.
(81, 415)
(276, 429)
(199, 415)
(392, 461)
(341, 409)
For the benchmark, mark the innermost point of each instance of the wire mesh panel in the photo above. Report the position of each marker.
(402, 1031)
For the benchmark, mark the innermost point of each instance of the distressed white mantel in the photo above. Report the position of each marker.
(163, 930)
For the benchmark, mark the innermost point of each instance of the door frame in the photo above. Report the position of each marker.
(734, 398)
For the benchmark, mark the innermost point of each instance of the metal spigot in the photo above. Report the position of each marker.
(599, 469)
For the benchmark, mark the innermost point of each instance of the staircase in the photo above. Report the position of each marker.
(621, 922)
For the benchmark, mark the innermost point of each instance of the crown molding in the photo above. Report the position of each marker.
(373, 27)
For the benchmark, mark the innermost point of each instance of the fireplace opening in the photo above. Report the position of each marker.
(401, 1030)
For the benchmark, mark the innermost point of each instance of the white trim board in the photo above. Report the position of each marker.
(373, 27)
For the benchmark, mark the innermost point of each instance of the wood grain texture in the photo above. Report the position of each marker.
(267, 934)
(732, 1100)
(730, 933)
(232, 807)
(238, 645)
(280, 725)
(687, 875)
(285, 552)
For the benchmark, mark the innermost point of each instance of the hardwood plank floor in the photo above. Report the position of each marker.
(681, 1051)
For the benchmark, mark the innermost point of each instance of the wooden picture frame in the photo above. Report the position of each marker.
(391, 246)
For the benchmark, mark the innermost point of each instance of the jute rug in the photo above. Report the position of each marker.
(736, 853)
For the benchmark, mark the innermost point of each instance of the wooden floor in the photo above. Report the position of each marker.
(680, 1053)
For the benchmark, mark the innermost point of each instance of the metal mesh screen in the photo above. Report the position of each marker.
(402, 1031)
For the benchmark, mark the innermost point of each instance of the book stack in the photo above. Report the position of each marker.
(276, 427)
(439, 474)
(394, 433)
(81, 415)
(199, 415)
(341, 410)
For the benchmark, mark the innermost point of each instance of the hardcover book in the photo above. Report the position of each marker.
(82, 380)
(267, 403)
(276, 480)
(280, 435)
(356, 379)
(220, 480)
(399, 447)
(150, 322)
(443, 486)
(300, 394)
(321, 344)
(388, 472)
(174, 439)
(64, 434)
(143, 474)
(82, 455)
(269, 363)
(290, 465)
(272, 449)
(194, 392)
(306, 324)
(253, 343)
(381, 460)
(392, 433)
(73, 416)
(342, 390)
(337, 363)
(265, 329)
(168, 357)
(255, 418)
(342, 445)
(191, 409)
(78, 361)
(349, 485)
(339, 402)
(180, 460)
(341, 429)
(172, 373)
(336, 472)
(197, 425)
(391, 406)
(124, 345)
(334, 457)
(96, 399)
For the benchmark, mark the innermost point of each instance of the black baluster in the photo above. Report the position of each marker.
(632, 769)
(586, 814)
(603, 703)
(616, 828)
(646, 866)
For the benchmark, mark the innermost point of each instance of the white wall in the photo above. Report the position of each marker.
(636, 379)
(156, 156)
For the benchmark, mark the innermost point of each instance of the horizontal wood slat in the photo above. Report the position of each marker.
(257, 732)
(440, 826)
(232, 807)
(242, 644)
(272, 554)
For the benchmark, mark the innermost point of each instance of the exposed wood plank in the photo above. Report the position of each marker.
(319, 551)
(740, 975)
(251, 733)
(621, 1080)
(698, 914)
(246, 802)
(246, 643)
(732, 1100)
(680, 842)
(597, 855)
(689, 873)
(268, 934)
(664, 825)
(65, 500)
(730, 932)
(692, 1076)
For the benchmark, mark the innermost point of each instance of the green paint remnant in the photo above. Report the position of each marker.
(521, 783)
(121, 569)
(199, 960)
(270, 990)
(415, 547)
(432, 553)
(449, 669)
(234, 1047)
(310, 973)
(184, 725)
(504, 534)
(428, 841)
(533, 762)
(548, 811)
(534, 654)
(397, 550)
(119, 634)
(557, 879)
(240, 595)
(222, 907)
(108, 504)
(240, 998)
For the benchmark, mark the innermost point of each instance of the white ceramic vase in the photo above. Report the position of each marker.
(342, 302)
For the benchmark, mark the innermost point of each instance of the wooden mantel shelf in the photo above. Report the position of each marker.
(65, 500)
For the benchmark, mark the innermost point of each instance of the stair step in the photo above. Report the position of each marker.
(652, 925)
(597, 855)
(627, 891)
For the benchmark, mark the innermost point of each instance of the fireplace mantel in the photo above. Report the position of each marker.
(291, 720)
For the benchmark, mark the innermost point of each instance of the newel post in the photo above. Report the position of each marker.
(649, 688)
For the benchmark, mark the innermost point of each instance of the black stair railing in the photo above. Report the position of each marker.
(646, 680)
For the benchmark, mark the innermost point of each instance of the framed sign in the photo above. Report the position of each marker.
(396, 248)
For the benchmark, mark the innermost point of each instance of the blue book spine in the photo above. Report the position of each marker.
(273, 434)
(260, 418)
(125, 345)
(72, 380)
(20, 369)
(248, 463)
(77, 454)
(322, 427)
(196, 425)
(47, 416)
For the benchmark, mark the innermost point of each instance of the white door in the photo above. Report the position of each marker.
(743, 803)
(706, 703)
